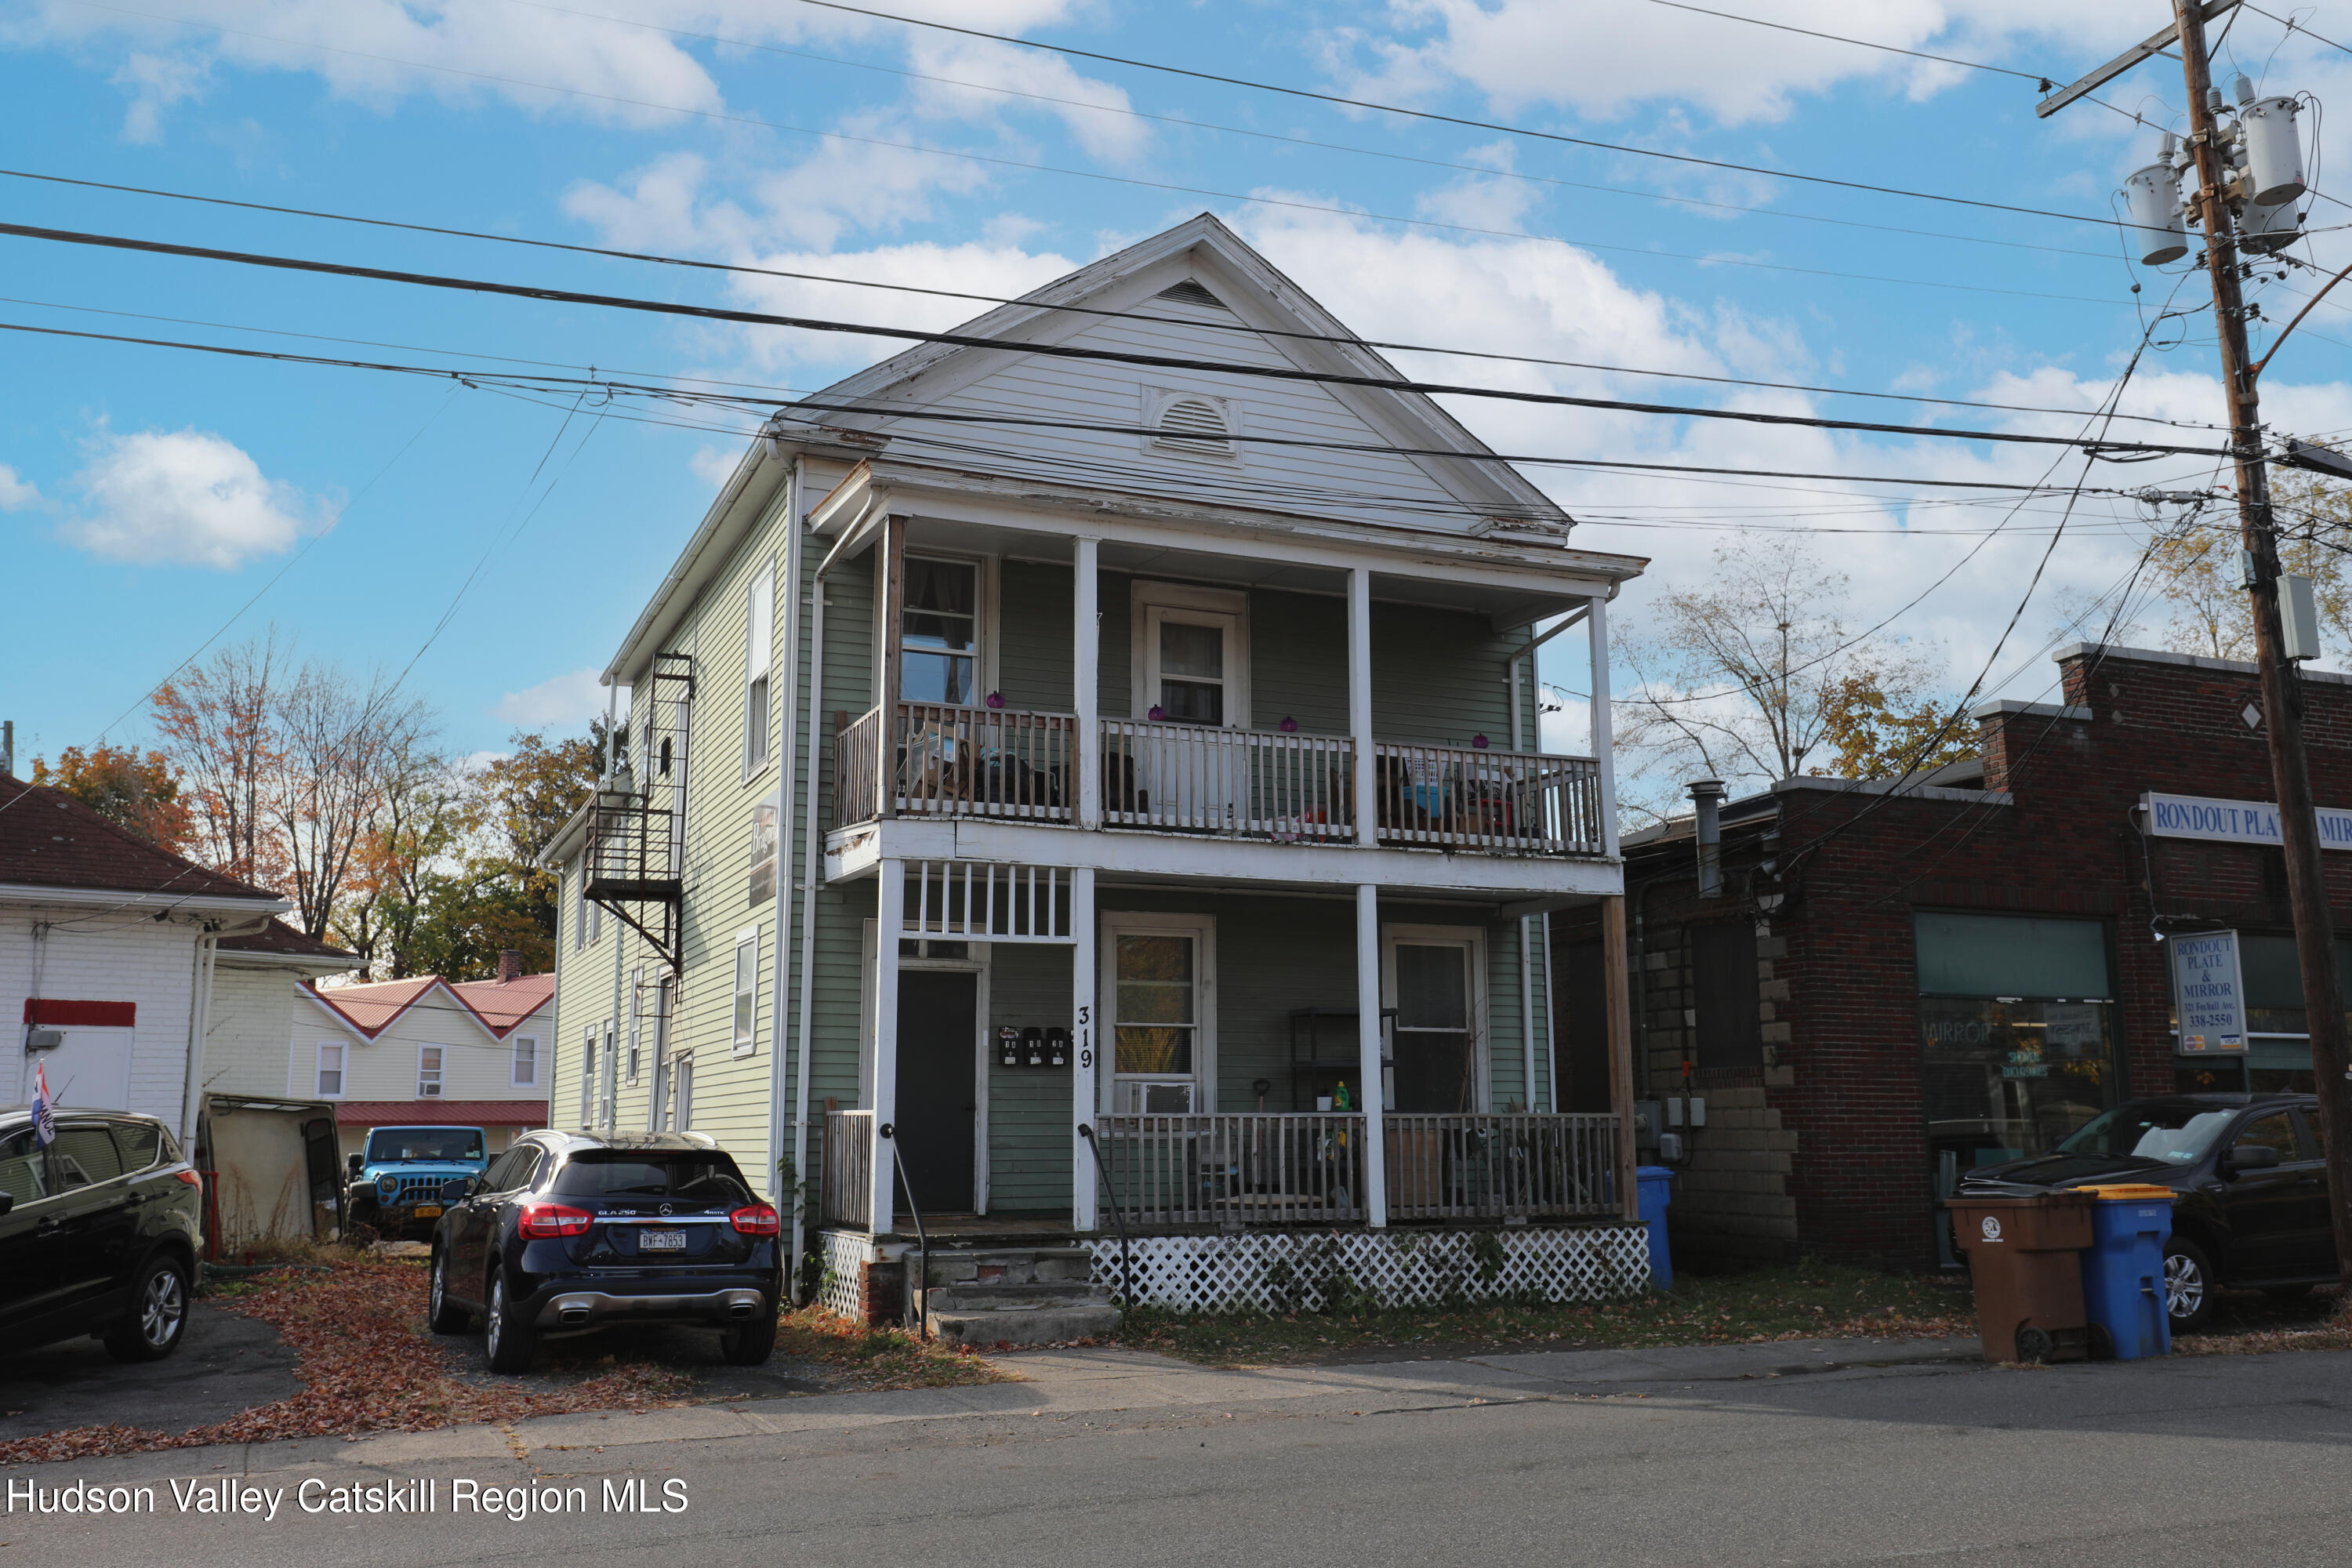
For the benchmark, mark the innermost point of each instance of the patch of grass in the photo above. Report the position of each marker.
(1801, 1300)
(878, 1358)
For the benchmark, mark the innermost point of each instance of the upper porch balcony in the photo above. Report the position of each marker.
(952, 759)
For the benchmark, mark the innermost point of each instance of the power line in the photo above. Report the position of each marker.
(1183, 122)
(496, 381)
(1064, 350)
(999, 300)
(1282, 202)
(1686, 158)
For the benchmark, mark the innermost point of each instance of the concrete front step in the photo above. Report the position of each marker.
(1013, 1297)
(1009, 1265)
(1024, 1326)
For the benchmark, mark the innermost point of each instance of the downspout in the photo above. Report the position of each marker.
(788, 717)
(1527, 975)
(810, 863)
(200, 997)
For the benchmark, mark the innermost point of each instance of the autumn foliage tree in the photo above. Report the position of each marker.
(139, 792)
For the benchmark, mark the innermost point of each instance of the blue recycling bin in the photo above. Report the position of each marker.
(1654, 1191)
(2123, 1270)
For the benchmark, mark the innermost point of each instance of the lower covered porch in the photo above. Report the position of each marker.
(1181, 1079)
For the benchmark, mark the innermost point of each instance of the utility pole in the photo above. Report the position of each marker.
(2315, 936)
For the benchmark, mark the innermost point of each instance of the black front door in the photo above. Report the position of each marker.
(937, 1060)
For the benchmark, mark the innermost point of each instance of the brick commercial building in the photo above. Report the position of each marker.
(1884, 986)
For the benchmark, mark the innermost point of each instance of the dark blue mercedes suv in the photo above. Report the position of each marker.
(570, 1232)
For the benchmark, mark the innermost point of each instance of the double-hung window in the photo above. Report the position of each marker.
(938, 631)
(746, 989)
(1161, 1016)
(636, 1021)
(331, 1071)
(587, 1073)
(428, 1071)
(760, 640)
(762, 885)
(526, 1061)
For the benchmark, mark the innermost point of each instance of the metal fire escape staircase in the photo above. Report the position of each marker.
(636, 827)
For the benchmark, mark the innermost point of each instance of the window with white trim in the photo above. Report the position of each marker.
(760, 640)
(587, 1073)
(1158, 987)
(746, 989)
(636, 1021)
(764, 838)
(428, 1071)
(1435, 976)
(938, 631)
(331, 1071)
(526, 1061)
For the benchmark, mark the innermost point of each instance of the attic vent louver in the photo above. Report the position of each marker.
(1188, 292)
(1193, 425)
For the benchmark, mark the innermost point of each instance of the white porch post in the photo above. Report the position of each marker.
(1086, 679)
(1368, 1008)
(1359, 713)
(1086, 1069)
(890, 913)
(1596, 624)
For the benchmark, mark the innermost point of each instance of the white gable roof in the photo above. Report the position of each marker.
(1197, 283)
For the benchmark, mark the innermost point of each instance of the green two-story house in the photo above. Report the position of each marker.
(1083, 781)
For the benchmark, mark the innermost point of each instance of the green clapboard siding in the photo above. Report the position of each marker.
(1299, 661)
(1029, 1111)
(1034, 644)
(1439, 678)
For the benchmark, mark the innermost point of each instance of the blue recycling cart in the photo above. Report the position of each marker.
(2123, 1270)
(1654, 1190)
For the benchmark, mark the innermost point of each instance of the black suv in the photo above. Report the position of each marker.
(99, 1233)
(2251, 1178)
(568, 1232)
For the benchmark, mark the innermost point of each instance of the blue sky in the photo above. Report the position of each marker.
(151, 495)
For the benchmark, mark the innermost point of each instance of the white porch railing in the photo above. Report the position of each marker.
(1463, 798)
(845, 1170)
(1500, 1165)
(1261, 1168)
(945, 760)
(1250, 784)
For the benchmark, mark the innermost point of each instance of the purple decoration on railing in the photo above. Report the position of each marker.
(996, 700)
(1479, 742)
(1289, 726)
(1157, 713)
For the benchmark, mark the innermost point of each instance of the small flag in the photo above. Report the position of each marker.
(45, 1114)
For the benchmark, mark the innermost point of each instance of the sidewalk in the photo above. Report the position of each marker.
(1054, 1385)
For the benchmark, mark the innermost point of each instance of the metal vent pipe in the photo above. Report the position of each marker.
(1706, 797)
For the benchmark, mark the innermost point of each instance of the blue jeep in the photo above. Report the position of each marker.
(396, 1186)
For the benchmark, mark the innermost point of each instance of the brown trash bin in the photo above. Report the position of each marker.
(2023, 1260)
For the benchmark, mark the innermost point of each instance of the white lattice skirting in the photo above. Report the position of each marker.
(843, 1288)
(1286, 1271)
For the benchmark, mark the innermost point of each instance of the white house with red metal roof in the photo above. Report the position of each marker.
(426, 1050)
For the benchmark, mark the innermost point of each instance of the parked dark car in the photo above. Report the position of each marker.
(2253, 1209)
(99, 1233)
(568, 1232)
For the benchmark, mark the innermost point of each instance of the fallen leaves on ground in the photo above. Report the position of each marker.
(878, 1358)
(1800, 1301)
(368, 1364)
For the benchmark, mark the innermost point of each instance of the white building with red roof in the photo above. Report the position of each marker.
(427, 1051)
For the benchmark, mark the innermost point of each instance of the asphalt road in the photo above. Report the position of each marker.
(1763, 1455)
(226, 1365)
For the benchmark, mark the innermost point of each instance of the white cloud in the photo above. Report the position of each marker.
(572, 698)
(186, 497)
(1092, 110)
(714, 466)
(17, 494)
(1523, 52)
(379, 51)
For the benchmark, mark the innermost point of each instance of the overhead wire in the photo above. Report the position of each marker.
(2111, 450)
(1438, 118)
(1259, 199)
(1237, 326)
(1482, 170)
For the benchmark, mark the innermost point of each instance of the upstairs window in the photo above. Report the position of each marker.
(526, 1061)
(746, 989)
(428, 1072)
(763, 888)
(759, 639)
(330, 1071)
(938, 631)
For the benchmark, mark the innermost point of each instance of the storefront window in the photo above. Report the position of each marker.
(2017, 1035)
(2277, 1057)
